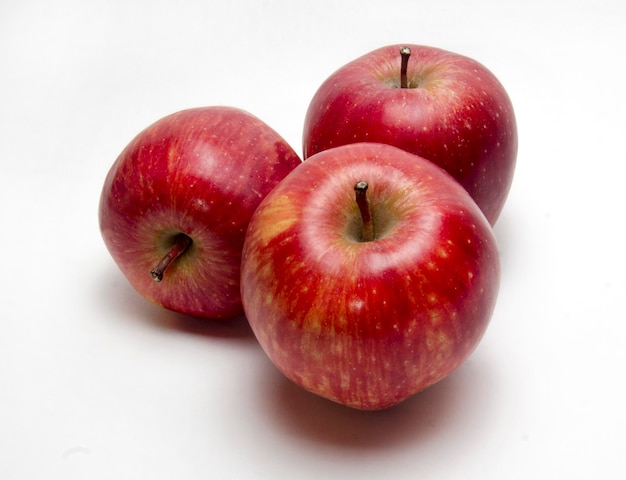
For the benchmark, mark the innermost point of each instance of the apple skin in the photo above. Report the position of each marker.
(201, 172)
(368, 324)
(455, 113)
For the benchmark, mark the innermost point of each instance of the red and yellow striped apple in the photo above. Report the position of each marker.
(176, 203)
(368, 274)
(437, 104)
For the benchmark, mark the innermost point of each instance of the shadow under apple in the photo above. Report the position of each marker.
(122, 301)
(451, 407)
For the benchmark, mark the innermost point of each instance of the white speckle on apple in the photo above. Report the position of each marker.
(345, 381)
(356, 305)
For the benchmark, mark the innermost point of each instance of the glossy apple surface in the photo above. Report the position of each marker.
(368, 323)
(453, 111)
(199, 173)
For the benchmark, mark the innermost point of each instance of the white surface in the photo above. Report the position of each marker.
(96, 383)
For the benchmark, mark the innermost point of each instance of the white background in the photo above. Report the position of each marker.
(96, 383)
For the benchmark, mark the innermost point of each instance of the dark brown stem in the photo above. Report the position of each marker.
(405, 53)
(360, 190)
(181, 243)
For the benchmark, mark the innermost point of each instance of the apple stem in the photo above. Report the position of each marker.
(181, 243)
(405, 53)
(360, 190)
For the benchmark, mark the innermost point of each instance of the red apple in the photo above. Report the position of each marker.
(368, 298)
(439, 105)
(177, 201)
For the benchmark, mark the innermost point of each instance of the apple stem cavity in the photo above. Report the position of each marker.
(405, 53)
(181, 243)
(360, 190)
